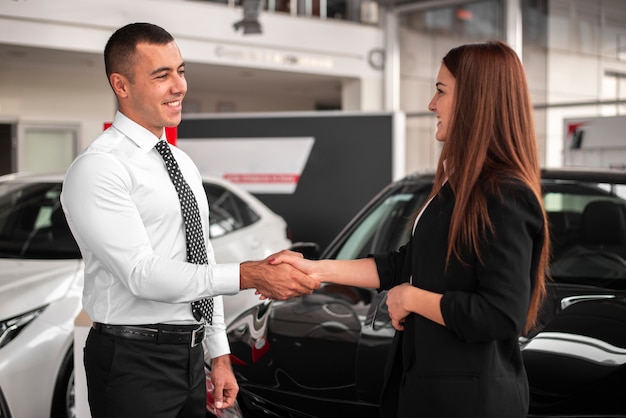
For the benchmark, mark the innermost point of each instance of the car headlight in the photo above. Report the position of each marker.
(10, 328)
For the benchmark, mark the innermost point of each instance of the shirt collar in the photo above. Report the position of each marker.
(142, 137)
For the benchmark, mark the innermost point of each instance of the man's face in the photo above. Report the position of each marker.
(154, 97)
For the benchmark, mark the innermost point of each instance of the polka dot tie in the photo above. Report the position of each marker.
(196, 249)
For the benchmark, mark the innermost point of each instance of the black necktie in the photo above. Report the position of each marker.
(196, 250)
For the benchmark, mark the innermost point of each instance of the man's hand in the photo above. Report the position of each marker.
(280, 281)
(225, 387)
(296, 260)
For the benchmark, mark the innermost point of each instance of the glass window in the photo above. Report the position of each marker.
(385, 228)
(612, 23)
(574, 197)
(46, 148)
(227, 212)
(587, 229)
(32, 223)
(474, 20)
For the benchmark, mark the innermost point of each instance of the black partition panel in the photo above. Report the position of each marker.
(351, 160)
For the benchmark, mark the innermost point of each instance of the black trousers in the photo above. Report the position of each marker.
(134, 379)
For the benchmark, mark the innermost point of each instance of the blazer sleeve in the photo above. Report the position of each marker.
(498, 306)
(393, 267)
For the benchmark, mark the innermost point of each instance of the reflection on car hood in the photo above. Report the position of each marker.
(28, 284)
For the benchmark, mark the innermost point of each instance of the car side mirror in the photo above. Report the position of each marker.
(310, 250)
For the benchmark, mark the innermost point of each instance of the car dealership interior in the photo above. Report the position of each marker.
(309, 123)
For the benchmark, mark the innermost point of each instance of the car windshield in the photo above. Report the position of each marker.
(587, 222)
(32, 223)
(386, 227)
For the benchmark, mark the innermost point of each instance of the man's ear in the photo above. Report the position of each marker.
(119, 83)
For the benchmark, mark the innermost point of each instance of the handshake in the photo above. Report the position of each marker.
(280, 276)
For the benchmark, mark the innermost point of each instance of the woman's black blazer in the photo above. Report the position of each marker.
(472, 367)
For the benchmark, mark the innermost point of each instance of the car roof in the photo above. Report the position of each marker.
(582, 174)
(33, 177)
(596, 175)
(58, 177)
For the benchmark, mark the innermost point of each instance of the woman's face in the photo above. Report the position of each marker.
(442, 102)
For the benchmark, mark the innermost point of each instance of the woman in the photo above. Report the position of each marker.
(471, 279)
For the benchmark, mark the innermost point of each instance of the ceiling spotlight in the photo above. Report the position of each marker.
(250, 22)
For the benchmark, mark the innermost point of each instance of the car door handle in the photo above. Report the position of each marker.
(571, 300)
(334, 326)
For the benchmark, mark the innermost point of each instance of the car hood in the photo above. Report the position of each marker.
(28, 284)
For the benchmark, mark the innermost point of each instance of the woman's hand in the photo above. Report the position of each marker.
(276, 280)
(405, 299)
(295, 259)
(360, 272)
(298, 282)
(397, 304)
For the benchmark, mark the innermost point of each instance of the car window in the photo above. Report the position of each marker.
(574, 197)
(385, 228)
(587, 229)
(32, 223)
(227, 212)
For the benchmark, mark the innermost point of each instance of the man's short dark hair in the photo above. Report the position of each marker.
(120, 49)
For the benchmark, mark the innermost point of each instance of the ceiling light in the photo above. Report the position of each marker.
(250, 22)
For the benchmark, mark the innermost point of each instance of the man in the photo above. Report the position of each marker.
(132, 203)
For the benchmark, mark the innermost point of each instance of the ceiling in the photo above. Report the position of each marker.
(212, 79)
(201, 77)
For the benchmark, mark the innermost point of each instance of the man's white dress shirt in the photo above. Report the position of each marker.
(125, 215)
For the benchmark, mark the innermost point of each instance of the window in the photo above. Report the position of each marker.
(387, 227)
(587, 229)
(32, 223)
(43, 148)
(227, 212)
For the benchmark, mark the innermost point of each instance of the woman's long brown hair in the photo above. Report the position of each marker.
(491, 140)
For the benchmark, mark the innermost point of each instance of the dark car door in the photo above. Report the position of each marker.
(386, 226)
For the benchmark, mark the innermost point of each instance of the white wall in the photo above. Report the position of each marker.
(50, 95)
(205, 35)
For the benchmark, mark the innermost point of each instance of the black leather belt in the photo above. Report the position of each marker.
(156, 333)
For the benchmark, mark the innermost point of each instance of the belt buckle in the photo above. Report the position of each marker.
(194, 333)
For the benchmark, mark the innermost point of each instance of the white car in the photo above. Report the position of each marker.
(41, 277)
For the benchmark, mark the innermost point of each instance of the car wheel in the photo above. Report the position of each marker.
(63, 398)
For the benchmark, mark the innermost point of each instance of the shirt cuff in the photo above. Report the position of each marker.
(215, 343)
(226, 279)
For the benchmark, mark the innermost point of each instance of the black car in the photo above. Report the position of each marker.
(323, 355)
